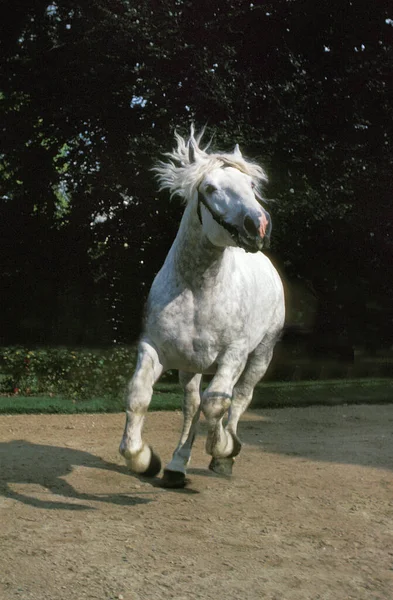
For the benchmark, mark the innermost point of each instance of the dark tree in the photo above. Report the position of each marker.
(90, 95)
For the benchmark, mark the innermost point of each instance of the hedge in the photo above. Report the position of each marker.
(81, 374)
(71, 373)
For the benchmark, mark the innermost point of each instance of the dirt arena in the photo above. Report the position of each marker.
(308, 514)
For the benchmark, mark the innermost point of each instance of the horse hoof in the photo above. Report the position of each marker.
(222, 466)
(237, 445)
(154, 467)
(173, 479)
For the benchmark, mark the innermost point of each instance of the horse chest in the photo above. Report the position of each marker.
(191, 330)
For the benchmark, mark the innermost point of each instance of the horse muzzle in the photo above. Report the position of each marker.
(256, 230)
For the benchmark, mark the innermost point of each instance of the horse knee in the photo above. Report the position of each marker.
(215, 405)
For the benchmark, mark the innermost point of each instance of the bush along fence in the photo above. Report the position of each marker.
(82, 374)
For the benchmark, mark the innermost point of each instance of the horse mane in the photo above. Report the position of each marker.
(182, 177)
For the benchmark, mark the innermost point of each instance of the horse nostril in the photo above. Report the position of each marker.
(250, 226)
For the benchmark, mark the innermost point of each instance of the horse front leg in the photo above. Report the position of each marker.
(175, 471)
(216, 400)
(139, 456)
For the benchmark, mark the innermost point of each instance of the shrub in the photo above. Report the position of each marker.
(73, 373)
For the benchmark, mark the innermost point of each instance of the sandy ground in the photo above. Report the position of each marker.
(307, 515)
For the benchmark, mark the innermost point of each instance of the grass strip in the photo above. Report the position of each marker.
(168, 396)
(329, 392)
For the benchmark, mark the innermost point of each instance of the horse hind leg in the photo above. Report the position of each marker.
(255, 369)
(175, 471)
(139, 456)
(220, 443)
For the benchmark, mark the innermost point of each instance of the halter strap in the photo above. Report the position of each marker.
(231, 229)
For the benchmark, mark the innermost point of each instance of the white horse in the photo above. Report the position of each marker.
(216, 306)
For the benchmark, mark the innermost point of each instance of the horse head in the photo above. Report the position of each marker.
(230, 211)
(225, 188)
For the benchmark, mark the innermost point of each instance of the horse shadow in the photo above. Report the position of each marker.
(22, 462)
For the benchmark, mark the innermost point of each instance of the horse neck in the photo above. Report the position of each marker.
(195, 258)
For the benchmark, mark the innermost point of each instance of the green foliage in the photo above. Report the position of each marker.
(76, 374)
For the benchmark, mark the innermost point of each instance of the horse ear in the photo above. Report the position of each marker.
(237, 152)
(191, 151)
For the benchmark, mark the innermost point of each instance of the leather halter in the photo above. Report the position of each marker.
(231, 229)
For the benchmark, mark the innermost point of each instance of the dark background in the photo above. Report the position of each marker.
(90, 95)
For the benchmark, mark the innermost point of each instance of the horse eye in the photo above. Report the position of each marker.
(253, 185)
(209, 189)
